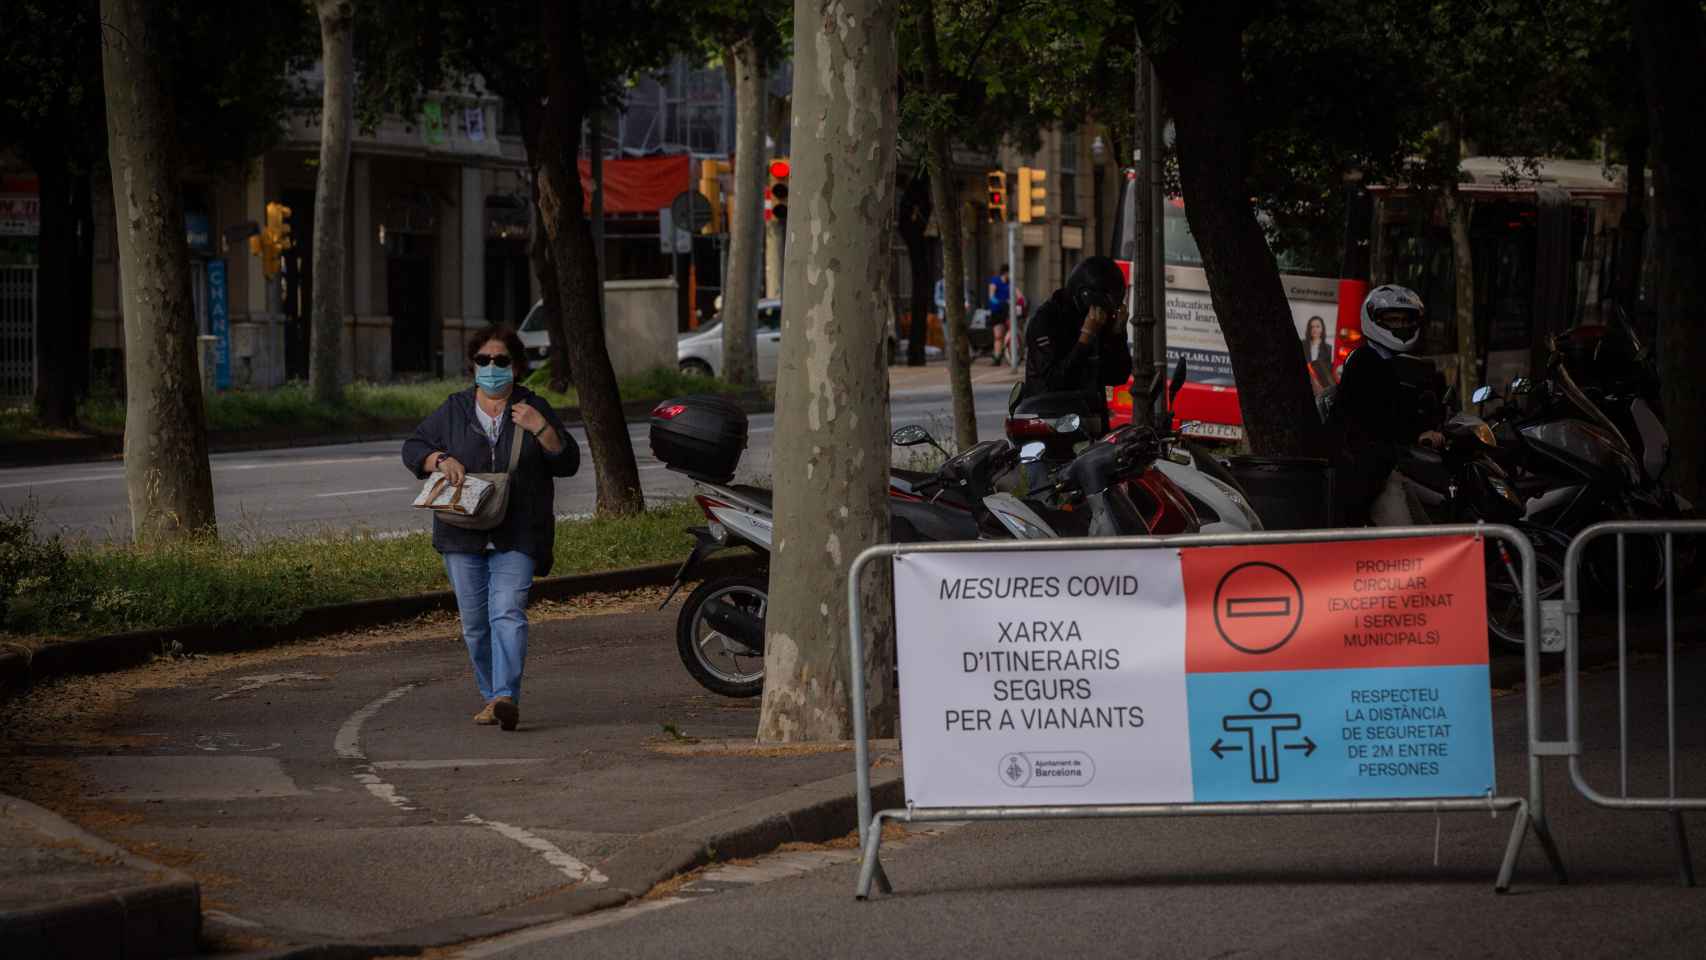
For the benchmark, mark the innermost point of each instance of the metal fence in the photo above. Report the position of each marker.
(1529, 809)
(17, 334)
(1671, 803)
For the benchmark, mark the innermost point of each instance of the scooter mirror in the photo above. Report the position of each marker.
(1481, 395)
(1031, 452)
(1013, 397)
(910, 435)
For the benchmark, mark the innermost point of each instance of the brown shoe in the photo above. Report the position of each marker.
(507, 713)
(486, 717)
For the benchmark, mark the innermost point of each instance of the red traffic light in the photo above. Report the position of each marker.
(995, 198)
(779, 169)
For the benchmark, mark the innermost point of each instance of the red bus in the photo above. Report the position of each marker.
(1321, 304)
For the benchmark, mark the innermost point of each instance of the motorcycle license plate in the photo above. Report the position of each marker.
(1213, 431)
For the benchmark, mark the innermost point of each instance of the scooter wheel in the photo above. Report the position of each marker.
(723, 664)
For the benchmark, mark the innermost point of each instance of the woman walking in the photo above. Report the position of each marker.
(492, 570)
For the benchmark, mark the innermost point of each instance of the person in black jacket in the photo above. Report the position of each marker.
(1077, 342)
(1386, 403)
(492, 570)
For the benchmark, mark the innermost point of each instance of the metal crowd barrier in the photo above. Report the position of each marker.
(1529, 810)
(1670, 803)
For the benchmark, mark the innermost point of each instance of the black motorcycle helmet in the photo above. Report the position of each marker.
(1096, 282)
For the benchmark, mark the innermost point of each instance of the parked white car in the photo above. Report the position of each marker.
(533, 334)
(701, 351)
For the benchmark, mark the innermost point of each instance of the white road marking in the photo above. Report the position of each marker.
(217, 467)
(257, 682)
(452, 764)
(357, 493)
(348, 747)
(552, 854)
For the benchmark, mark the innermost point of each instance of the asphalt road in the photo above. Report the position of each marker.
(363, 486)
(1306, 887)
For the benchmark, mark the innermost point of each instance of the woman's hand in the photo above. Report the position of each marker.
(451, 468)
(527, 418)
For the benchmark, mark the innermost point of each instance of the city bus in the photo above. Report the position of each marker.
(1545, 251)
(1208, 403)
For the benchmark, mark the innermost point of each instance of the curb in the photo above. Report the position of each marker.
(159, 919)
(118, 651)
(812, 813)
(108, 446)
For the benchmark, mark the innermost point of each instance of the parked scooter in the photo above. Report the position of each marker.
(720, 631)
(1063, 422)
(1112, 489)
(1574, 465)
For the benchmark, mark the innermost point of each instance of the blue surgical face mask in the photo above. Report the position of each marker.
(493, 378)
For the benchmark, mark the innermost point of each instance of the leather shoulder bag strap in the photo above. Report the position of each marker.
(516, 437)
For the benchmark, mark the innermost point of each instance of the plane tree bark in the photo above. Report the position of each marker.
(1671, 40)
(945, 197)
(1202, 74)
(337, 122)
(746, 218)
(165, 438)
(570, 94)
(832, 396)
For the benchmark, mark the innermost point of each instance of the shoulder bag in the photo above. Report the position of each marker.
(493, 504)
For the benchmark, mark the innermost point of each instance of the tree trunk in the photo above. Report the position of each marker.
(1457, 210)
(80, 286)
(746, 218)
(56, 282)
(562, 208)
(539, 252)
(337, 120)
(1671, 41)
(945, 197)
(832, 419)
(1632, 228)
(915, 210)
(1201, 74)
(165, 436)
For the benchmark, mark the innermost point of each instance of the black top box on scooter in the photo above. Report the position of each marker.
(702, 436)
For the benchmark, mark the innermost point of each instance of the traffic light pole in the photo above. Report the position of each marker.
(1148, 274)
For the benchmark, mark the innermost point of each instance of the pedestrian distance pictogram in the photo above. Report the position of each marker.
(1257, 607)
(1261, 735)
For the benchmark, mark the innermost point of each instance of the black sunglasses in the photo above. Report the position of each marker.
(501, 359)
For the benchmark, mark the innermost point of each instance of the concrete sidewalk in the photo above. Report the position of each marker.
(67, 893)
(933, 376)
(336, 793)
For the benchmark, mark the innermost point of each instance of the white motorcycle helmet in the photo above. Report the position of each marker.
(1392, 317)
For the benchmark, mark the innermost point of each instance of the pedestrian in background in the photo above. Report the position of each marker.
(491, 571)
(1000, 301)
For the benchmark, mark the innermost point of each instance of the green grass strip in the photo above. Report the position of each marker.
(50, 590)
(292, 407)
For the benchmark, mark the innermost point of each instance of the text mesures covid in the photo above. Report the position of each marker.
(1040, 671)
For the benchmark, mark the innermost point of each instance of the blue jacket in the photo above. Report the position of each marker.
(530, 526)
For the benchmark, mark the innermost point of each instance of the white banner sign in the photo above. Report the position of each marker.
(1027, 680)
(1347, 670)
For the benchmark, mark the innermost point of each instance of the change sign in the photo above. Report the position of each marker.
(1308, 672)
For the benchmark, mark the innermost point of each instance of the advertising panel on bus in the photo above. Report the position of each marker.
(1208, 403)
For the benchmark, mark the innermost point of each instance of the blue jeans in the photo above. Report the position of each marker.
(491, 595)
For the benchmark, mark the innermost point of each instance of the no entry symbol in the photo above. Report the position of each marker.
(1257, 607)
